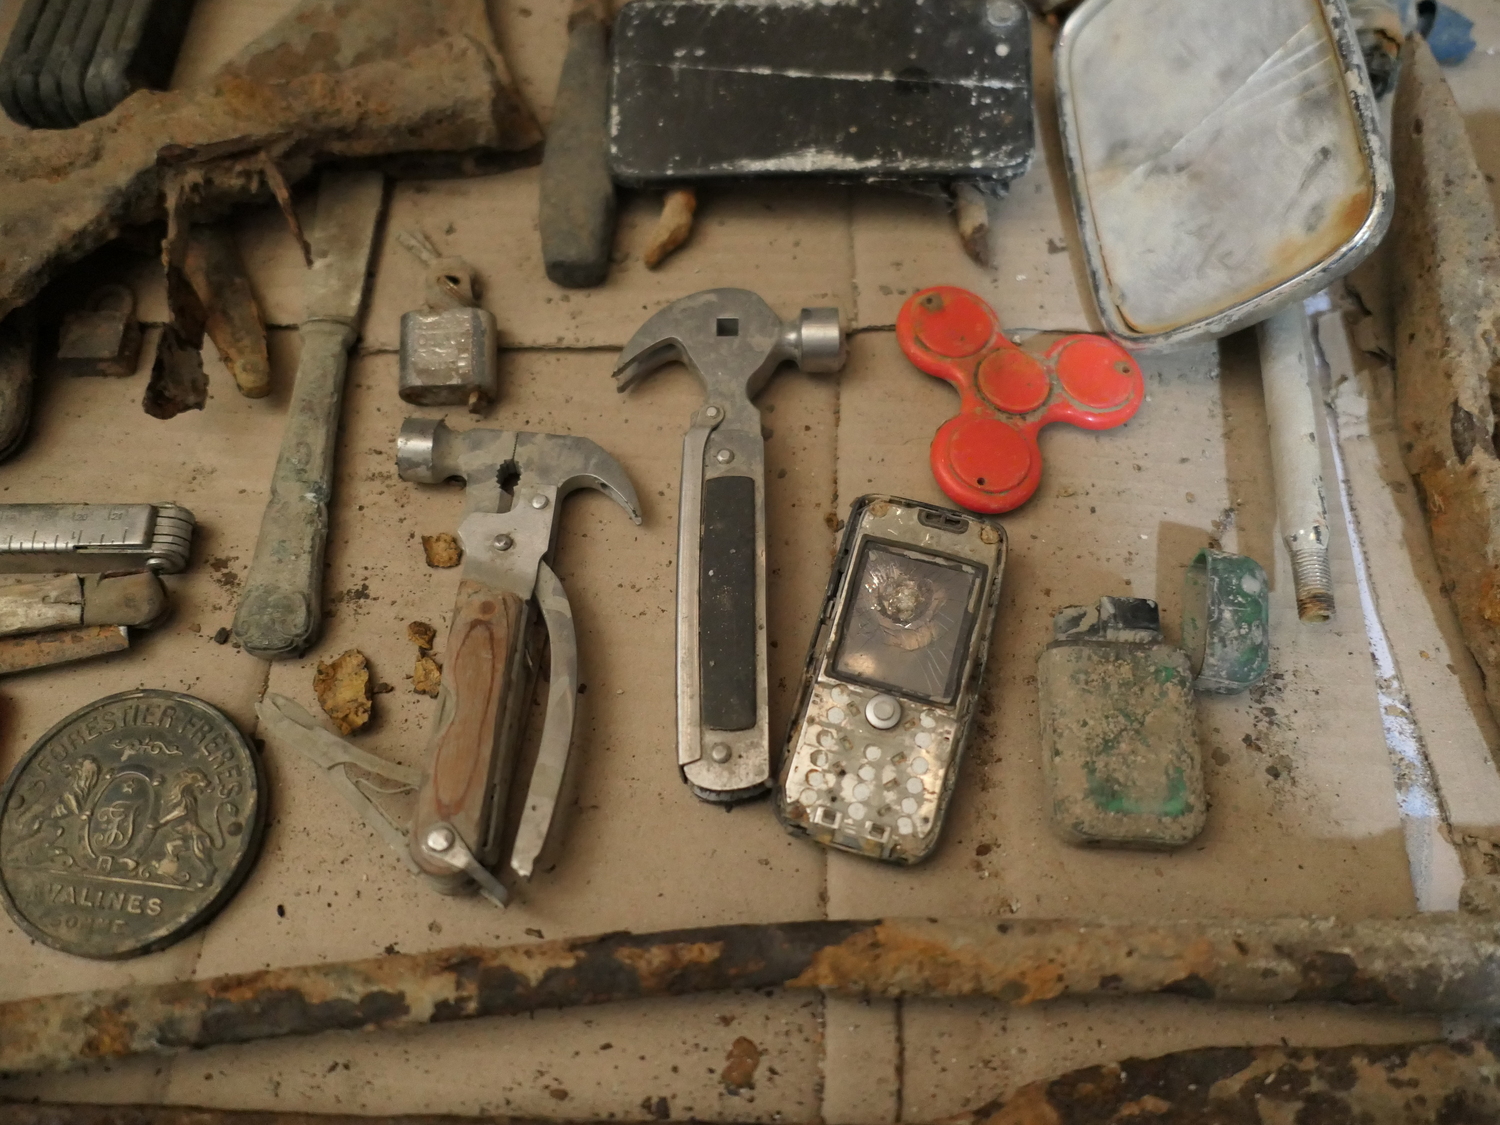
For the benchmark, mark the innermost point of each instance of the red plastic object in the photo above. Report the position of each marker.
(986, 458)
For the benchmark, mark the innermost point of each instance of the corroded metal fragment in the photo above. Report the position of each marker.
(1433, 962)
(334, 79)
(1409, 1084)
(1446, 300)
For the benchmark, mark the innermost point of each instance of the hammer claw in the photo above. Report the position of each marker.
(569, 463)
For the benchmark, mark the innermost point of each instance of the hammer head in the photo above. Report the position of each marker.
(732, 340)
(428, 452)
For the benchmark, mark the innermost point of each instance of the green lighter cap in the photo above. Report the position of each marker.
(1226, 621)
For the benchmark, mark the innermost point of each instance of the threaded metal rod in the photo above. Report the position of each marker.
(1313, 581)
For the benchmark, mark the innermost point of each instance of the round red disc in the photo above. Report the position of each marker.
(989, 454)
(1014, 381)
(951, 322)
(1096, 372)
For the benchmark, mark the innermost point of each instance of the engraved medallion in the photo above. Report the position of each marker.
(129, 824)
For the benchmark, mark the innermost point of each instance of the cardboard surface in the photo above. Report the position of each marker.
(1304, 815)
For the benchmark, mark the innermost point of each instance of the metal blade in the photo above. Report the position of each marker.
(343, 237)
(557, 731)
(291, 723)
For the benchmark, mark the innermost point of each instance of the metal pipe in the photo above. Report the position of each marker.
(1430, 963)
(1415, 1083)
(1286, 366)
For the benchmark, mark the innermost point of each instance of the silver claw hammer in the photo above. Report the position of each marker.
(489, 670)
(733, 341)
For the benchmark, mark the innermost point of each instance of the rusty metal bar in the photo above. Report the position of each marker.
(1430, 963)
(1445, 297)
(1415, 1083)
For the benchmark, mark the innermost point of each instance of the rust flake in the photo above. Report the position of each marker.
(111, 1033)
(1489, 597)
(891, 960)
(657, 965)
(740, 1064)
(533, 962)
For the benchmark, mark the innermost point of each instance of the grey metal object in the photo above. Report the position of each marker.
(280, 611)
(68, 61)
(447, 349)
(286, 721)
(576, 216)
(1222, 172)
(129, 824)
(892, 680)
(104, 338)
(448, 358)
(45, 538)
(733, 341)
(69, 600)
(1287, 364)
(454, 830)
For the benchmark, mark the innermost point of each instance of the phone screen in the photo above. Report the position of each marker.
(907, 622)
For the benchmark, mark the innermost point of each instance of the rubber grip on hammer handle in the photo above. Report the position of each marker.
(482, 657)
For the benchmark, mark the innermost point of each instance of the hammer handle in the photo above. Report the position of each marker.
(576, 214)
(478, 715)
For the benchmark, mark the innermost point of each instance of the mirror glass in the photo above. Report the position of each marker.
(1217, 153)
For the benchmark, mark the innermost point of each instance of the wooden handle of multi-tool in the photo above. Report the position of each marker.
(484, 647)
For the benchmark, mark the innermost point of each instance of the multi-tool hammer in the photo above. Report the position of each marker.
(507, 533)
(733, 341)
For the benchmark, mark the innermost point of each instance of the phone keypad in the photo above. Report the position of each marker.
(855, 786)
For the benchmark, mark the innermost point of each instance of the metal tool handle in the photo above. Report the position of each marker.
(279, 615)
(479, 706)
(722, 712)
(280, 612)
(577, 199)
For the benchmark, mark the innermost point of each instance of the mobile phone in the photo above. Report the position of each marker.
(891, 682)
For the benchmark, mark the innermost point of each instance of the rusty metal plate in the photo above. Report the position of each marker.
(129, 824)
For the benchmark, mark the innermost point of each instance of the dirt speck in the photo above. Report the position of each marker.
(740, 1064)
(226, 578)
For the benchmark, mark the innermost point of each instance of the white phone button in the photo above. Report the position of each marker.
(883, 712)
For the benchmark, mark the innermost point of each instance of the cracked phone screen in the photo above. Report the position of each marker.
(907, 623)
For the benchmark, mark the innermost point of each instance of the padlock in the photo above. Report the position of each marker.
(1119, 752)
(103, 338)
(448, 349)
